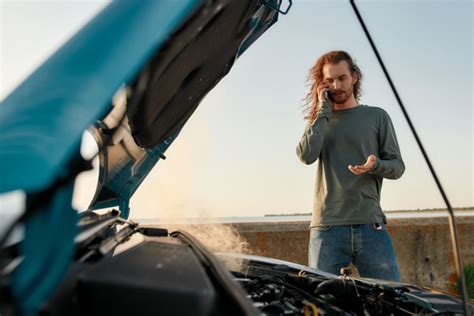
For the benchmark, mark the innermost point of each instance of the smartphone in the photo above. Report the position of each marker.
(328, 95)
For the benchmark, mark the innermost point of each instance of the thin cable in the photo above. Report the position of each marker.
(452, 224)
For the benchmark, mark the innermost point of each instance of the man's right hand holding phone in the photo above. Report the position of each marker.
(324, 104)
(323, 92)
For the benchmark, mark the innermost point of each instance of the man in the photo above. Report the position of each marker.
(356, 147)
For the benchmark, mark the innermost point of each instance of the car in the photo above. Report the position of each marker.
(133, 76)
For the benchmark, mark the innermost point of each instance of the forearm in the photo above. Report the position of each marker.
(389, 168)
(310, 145)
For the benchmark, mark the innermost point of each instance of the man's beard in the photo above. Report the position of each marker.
(342, 97)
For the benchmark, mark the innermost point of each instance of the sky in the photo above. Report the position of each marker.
(236, 155)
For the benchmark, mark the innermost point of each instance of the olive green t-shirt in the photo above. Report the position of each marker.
(348, 137)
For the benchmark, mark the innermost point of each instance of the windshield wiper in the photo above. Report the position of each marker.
(452, 223)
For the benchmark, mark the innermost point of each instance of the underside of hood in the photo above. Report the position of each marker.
(191, 63)
(168, 90)
(166, 55)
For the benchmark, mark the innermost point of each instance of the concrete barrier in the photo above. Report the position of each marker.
(423, 246)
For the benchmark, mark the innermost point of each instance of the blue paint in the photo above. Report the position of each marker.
(45, 116)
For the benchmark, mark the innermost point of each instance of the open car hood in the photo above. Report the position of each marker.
(165, 56)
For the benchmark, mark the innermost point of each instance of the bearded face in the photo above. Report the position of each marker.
(341, 96)
(340, 80)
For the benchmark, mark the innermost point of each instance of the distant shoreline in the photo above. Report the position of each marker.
(471, 208)
(289, 218)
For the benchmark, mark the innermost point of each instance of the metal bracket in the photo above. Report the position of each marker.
(271, 4)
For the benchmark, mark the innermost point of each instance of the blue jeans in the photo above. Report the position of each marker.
(367, 246)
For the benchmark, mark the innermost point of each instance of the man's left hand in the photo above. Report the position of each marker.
(367, 166)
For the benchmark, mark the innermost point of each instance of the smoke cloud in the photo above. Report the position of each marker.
(215, 237)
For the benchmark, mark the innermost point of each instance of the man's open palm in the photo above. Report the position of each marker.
(367, 166)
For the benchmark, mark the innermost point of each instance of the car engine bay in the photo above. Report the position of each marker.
(123, 268)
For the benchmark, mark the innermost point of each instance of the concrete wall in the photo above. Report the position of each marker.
(423, 246)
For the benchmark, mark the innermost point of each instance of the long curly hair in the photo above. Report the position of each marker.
(315, 77)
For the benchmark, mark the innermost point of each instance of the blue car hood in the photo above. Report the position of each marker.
(165, 55)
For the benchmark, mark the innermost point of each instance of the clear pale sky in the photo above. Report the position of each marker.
(236, 156)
